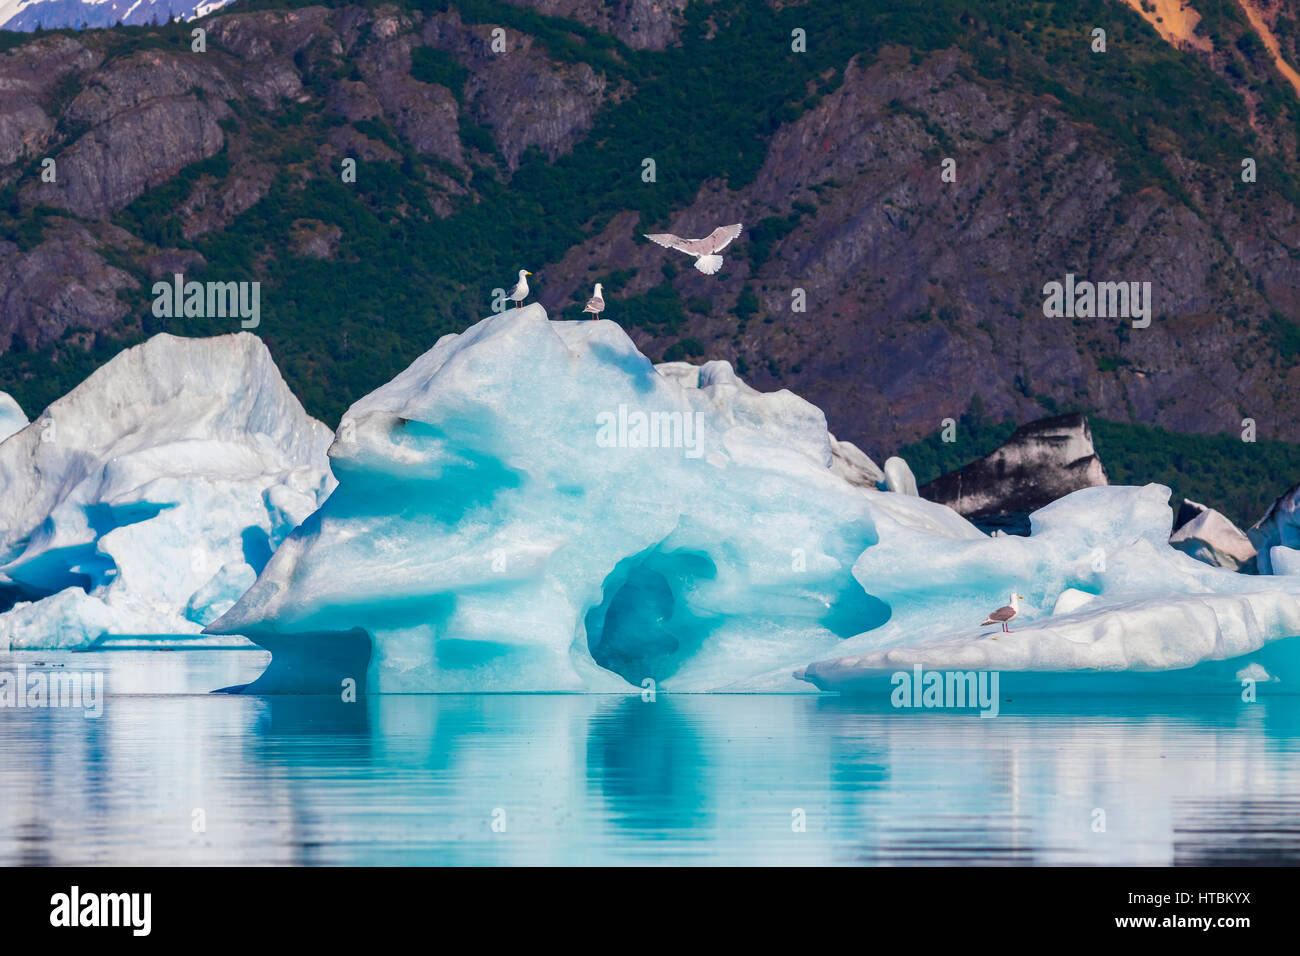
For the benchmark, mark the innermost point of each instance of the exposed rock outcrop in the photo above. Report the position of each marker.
(63, 283)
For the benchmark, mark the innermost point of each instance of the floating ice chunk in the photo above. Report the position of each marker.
(1153, 607)
(1157, 634)
(178, 458)
(70, 618)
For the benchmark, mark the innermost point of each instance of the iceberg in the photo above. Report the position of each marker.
(535, 506)
(145, 501)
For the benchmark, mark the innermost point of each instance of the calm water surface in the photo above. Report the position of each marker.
(582, 779)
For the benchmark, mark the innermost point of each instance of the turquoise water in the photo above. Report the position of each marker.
(586, 779)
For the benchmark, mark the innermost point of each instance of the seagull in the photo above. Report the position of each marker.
(520, 291)
(703, 249)
(595, 305)
(1004, 614)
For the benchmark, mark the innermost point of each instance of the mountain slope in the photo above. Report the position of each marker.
(923, 297)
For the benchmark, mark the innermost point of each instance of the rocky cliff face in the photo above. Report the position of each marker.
(1043, 461)
(888, 295)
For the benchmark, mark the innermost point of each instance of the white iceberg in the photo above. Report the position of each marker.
(12, 418)
(145, 500)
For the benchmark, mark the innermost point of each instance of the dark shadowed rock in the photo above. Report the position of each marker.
(28, 76)
(148, 115)
(62, 283)
(1040, 462)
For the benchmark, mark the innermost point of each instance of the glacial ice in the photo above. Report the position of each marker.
(12, 418)
(1280, 527)
(534, 506)
(1212, 538)
(1153, 608)
(899, 477)
(1284, 560)
(145, 500)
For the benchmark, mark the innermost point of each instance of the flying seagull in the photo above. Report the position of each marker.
(595, 305)
(520, 291)
(704, 249)
(1003, 615)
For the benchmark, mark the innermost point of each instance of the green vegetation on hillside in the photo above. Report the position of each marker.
(704, 108)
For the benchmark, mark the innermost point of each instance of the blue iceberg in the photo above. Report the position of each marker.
(535, 506)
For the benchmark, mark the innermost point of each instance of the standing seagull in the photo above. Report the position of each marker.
(1003, 615)
(520, 291)
(703, 249)
(595, 305)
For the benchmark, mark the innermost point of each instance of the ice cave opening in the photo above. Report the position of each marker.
(644, 626)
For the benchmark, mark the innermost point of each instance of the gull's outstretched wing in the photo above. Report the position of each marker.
(692, 247)
(721, 237)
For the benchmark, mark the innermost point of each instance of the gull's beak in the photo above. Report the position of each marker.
(1020, 597)
(527, 273)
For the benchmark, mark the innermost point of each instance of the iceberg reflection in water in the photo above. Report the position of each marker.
(605, 779)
